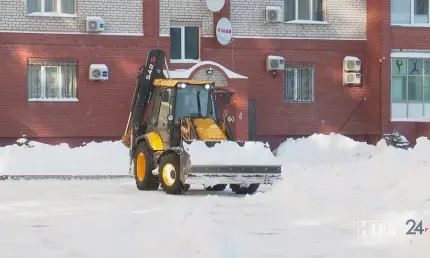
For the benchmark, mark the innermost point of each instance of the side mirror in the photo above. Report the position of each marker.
(165, 96)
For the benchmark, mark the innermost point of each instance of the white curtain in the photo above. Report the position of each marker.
(51, 6)
(290, 10)
(68, 6)
(33, 6)
(400, 11)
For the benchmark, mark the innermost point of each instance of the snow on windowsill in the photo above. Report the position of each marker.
(185, 61)
(49, 14)
(416, 119)
(54, 100)
(307, 22)
(417, 25)
(410, 54)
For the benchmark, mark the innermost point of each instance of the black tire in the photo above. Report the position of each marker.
(149, 181)
(187, 187)
(171, 182)
(219, 187)
(244, 190)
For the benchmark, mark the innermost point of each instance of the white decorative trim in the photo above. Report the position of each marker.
(75, 33)
(262, 37)
(415, 25)
(53, 14)
(307, 22)
(184, 61)
(167, 35)
(186, 73)
(307, 38)
(418, 119)
(55, 100)
(410, 54)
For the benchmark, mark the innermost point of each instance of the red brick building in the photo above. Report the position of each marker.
(46, 52)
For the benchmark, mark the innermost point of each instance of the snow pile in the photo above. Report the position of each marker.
(35, 158)
(334, 181)
(320, 149)
(230, 153)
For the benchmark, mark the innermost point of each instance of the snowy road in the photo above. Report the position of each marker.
(110, 218)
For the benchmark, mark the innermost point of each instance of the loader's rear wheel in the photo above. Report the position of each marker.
(143, 166)
(219, 187)
(169, 173)
(237, 189)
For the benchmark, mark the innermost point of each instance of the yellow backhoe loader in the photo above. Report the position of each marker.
(176, 138)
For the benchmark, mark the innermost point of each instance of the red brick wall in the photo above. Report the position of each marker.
(103, 107)
(417, 39)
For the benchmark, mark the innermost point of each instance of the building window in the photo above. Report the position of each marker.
(410, 12)
(51, 7)
(51, 80)
(410, 87)
(307, 10)
(184, 43)
(299, 83)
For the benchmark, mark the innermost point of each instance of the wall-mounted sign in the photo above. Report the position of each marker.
(224, 31)
(215, 5)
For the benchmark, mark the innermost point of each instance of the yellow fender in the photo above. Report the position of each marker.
(154, 141)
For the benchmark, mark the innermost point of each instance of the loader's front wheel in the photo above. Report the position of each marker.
(169, 174)
(237, 189)
(143, 166)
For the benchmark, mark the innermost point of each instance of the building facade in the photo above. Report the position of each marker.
(47, 52)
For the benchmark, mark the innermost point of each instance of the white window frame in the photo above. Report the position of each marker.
(412, 21)
(296, 82)
(310, 21)
(182, 59)
(58, 13)
(43, 82)
(406, 104)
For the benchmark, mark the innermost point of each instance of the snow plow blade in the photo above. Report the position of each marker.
(228, 162)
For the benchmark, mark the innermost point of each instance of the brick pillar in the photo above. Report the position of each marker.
(239, 101)
(151, 18)
(223, 13)
(386, 65)
(376, 73)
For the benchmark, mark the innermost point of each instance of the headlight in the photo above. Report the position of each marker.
(182, 85)
(207, 86)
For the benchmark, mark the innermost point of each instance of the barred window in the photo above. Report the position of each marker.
(51, 80)
(299, 83)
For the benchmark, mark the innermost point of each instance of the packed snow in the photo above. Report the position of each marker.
(230, 153)
(330, 182)
(35, 158)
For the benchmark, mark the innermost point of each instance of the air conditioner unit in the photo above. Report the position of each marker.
(275, 63)
(94, 24)
(273, 14)
(98, 72)
(351, 78)
(351, 64)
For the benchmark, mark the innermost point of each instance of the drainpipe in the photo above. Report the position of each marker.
(380, 98)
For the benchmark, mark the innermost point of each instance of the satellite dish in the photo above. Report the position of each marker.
(224, 31)
(215, 5)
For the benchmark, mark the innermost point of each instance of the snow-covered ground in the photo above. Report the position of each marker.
(329, 184)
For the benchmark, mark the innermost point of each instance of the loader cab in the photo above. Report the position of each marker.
(195, 100)
(173, 100)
